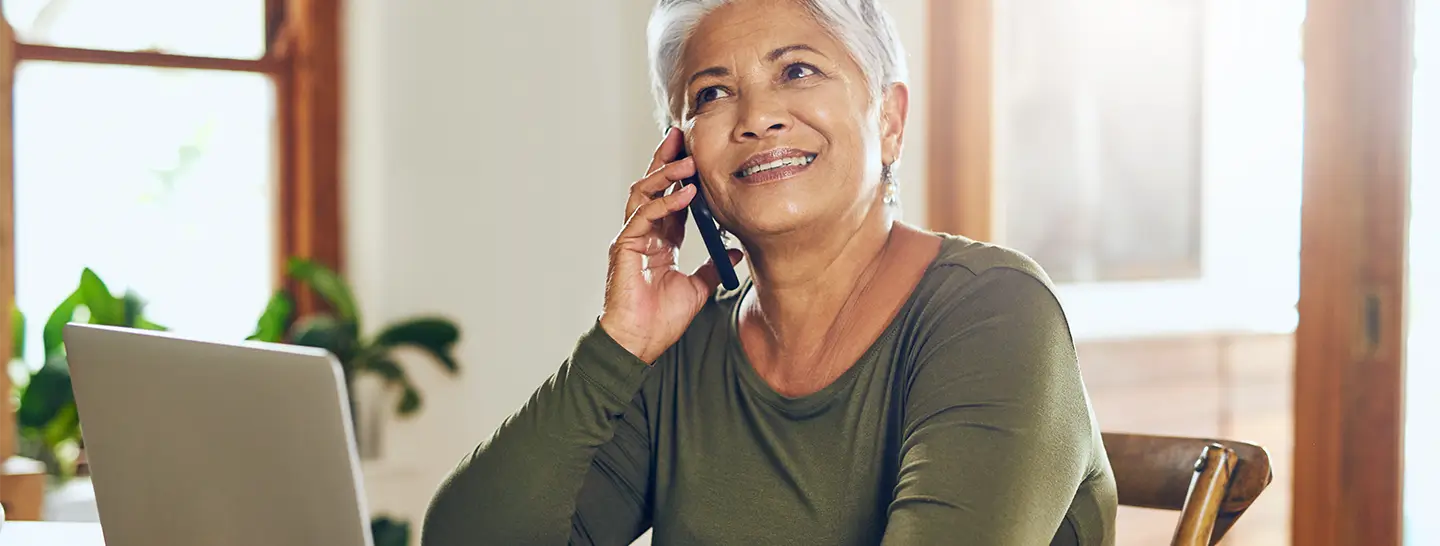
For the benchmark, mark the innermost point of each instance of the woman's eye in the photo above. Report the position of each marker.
(708, 94)
(799, 70)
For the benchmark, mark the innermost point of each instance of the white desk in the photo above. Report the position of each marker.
(32, 533)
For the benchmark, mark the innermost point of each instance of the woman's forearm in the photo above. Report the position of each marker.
(520, 486)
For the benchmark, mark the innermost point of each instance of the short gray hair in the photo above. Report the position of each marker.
(863, 26)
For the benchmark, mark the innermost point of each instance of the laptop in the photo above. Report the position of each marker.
(195, 442)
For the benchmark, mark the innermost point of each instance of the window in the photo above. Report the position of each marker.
(213, 28)
(1098, 145)
(179, 149)
(1148, 155)
(159, 179)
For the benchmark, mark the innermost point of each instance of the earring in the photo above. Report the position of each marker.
(892, 190)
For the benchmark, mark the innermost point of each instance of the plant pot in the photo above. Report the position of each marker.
(370, 404)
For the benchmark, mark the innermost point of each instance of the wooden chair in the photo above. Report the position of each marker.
(1211, 482)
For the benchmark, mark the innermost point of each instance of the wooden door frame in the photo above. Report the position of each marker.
(1349, 375)
(1349, 345)
(959, 190)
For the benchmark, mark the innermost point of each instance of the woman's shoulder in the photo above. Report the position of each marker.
(968, 259)
(972, 288)
(972, 279)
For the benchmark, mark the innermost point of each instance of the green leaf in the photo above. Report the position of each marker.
(47, 394)
(65, 425)
(31, 446)
(328, 284)
(104, 307)
(135, 312)
(410, 401)
(436, 336)
(134, 307)
(385, 531)
(17, 330)
(382, 366)
(145, 324)
(326, 332)
(54, 333)
(275, 320)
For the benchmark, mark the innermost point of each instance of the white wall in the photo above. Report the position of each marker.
(489, 148)
(1422, 482)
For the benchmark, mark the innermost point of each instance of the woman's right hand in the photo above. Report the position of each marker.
(649, 302)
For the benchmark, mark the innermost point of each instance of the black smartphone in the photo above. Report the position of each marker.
(709, 230)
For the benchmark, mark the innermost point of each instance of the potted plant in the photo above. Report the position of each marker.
(48, 423)
(340, 331)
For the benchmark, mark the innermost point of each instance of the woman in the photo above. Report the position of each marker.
(870, 383)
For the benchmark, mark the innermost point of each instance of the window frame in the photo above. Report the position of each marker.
(303, 55)
(1349, 329)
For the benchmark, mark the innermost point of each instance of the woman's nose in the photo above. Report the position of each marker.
(761, 117)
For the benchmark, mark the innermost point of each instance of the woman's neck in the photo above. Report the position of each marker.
(803, 289)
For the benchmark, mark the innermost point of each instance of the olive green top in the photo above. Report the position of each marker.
(966, 422)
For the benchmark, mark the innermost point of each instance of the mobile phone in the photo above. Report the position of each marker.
(709, 229)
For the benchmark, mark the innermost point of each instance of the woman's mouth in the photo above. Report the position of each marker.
(774, 165)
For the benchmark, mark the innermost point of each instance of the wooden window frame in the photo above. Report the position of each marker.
(1349, 370)
(303, 55)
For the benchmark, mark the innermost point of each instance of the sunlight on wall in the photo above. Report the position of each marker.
(1422, 480)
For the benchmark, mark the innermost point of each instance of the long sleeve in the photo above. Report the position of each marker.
(997, 430)
(570, 466)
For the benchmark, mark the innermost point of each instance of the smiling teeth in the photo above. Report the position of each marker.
(787, 162)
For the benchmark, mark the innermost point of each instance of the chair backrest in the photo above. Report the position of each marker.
(1211, 482)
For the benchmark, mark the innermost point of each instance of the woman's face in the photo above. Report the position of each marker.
(780, 122)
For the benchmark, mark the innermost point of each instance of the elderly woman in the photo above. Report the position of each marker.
(870, 383)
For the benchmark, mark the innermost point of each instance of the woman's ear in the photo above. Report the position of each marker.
(894, 109)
